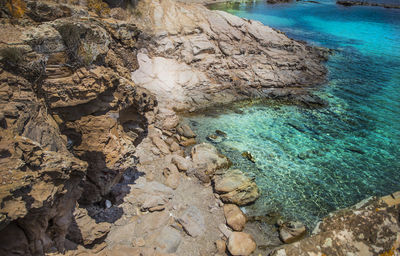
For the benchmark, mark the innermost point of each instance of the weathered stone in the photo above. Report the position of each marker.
(182, 163)
(370, 227)
(161, 145)
(168, 241)
(186, 131)
(172, 177)
(240, 243)
(193, 221)
(235, 218)
(187, 142)
(235, 187)
(292, 231)
(221, 246)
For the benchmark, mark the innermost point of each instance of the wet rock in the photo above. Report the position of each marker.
(186, 131)
(240, 243)
(235, 187)
(248, 156)
(292, 231)
(187, 142)
(169, 240)
(220, 133)
(235, 218)
(214, 138)
(193, 221)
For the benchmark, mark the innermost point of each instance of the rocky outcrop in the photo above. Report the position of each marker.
(70, 120)
(392, 4)
(371, 227)
(197, 57)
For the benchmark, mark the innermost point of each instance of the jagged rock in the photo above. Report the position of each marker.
(240, 243)
(292, 231)
(85, 230)
(206, 161)
(235, 218)
(370, 227)
(235, 187)
(221, 58)
(193, 221)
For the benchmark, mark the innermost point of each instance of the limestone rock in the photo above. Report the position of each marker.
(240, 243)
(221, 58)
(370, 227)
(172, 177)
(235, 187)
(188, 142)
(235, 218)
(292, 231)
(193, 221)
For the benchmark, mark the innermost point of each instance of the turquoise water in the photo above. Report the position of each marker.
(309, 162)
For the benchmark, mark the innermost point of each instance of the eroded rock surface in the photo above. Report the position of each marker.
(369, 228)
(199, 57)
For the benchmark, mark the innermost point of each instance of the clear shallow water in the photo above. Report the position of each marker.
(310, 162)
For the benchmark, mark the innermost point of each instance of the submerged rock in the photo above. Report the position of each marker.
(248, 156)
(235, 187)
(292, 231)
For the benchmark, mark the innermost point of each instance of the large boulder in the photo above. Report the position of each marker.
(235, 218)
(240, 243)
(235, 187)
(206, 161)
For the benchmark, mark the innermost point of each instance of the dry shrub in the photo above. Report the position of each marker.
(16, 8)
(99, 7)
(12, 56)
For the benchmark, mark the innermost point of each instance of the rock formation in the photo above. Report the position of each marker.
(197, 57)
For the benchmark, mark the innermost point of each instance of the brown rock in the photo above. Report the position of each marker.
(235, 218)
(172, 176)
(174, 147)
(161, 145)
(292, 231)
(182, 163)
(221, 246)
(235, 187)
(187, 142)
(186, 131)
(240, 243)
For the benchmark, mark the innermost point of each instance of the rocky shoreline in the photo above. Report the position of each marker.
(367, 3)
(94, 157)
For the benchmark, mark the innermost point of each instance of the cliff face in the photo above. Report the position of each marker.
(70, 119)
(208, 57)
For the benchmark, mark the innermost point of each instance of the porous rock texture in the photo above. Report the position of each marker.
(197, 57)
(371, 227)
(70, 119)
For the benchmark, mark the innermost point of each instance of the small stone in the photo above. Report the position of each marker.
(186, 131)
(161, 145)
(108, 204)
(240, 243)
(221, 246)
(235, 218)
(249, 156)
(175, 147)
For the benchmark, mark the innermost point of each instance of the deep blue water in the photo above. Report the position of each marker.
(310, 162)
